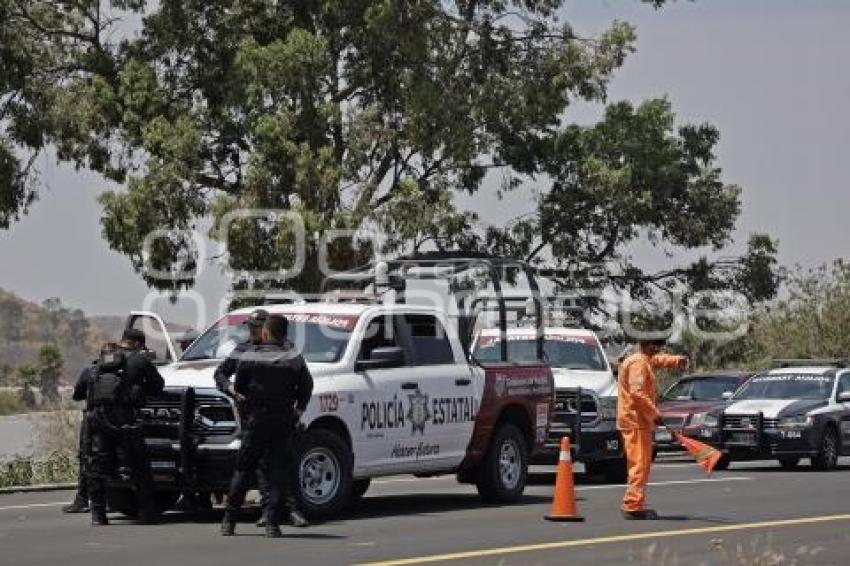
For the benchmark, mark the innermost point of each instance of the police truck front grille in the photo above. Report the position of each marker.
(565, 411)
(747, 422)
(213, 416)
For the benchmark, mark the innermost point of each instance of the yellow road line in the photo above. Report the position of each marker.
(608, 540)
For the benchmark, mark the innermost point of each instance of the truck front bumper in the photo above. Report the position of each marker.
(597, 443)
(767, 443)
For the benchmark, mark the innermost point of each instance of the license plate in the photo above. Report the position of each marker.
(743, 438)
(578, 468)
(162, 465)
(663, 436)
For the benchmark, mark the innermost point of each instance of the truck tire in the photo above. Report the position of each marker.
(612, 471)
(503, 473)
(827, 456)
(123, 501)
(723, 463)
(324, 474)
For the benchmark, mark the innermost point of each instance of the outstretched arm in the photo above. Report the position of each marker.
(669, 361)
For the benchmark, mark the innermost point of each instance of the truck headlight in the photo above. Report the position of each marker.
(797, 421)
(703, 419)
(608, 408)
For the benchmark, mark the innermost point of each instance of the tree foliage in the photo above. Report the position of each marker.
(360, 115)
(812, 320)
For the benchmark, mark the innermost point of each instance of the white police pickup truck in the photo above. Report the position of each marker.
(585, 394)
(394, 393)
(798, 410)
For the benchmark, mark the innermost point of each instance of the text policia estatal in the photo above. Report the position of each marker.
(395, 412)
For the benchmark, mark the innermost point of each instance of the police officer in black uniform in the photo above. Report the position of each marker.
(276, 384)
(81, 393)
(112, 423)
(225, 371)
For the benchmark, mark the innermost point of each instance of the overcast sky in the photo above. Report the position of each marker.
(772, 75)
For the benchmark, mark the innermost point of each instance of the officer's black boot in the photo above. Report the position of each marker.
(228, 525)
(273, 531)
(261, 522)
(79, 505)
(296, 519)
(98, 519)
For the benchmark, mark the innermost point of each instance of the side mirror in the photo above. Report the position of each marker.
(844, 397)
(382, 358)
(727, 395)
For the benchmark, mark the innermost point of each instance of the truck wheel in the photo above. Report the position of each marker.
(503, 473)
(612, 471)
(789, 462)
(827, 457)
(324, 474)
(123, 501)
(359, 488)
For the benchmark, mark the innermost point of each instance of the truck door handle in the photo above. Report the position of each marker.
(463, 381)
(410, 385)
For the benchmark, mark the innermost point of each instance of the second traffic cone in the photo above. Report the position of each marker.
(564, 499)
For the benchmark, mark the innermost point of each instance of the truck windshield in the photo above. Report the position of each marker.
(318, 337)
(704, 389)
(560, 351)
(790, 386)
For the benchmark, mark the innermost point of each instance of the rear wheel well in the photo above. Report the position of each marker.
(334, 425)
(517, 416)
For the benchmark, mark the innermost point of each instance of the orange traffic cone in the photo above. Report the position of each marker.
(564, 499)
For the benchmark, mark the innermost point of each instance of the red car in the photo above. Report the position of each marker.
(684, 405)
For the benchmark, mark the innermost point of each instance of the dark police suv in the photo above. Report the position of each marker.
(798, 410)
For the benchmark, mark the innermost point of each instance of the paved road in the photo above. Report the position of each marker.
(750, 511)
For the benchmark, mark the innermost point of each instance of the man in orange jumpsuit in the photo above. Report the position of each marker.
(637, 416)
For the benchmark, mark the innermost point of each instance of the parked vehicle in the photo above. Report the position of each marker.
(395, 392)
(585, 394)
(800, 409)
(685, 404)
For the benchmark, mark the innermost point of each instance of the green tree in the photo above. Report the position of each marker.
(812, 320)
(50, 364)
(362, 114)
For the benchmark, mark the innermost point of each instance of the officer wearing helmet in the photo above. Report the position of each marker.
(276, 385)
(123, 380)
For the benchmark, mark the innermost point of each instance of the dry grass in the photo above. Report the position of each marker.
(55, 457)
(760, 551)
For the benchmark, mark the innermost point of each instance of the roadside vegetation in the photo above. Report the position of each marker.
(54, 458)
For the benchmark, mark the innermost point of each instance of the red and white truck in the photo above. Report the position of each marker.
(396, 392)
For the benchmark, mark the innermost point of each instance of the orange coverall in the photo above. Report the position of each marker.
(636, 415)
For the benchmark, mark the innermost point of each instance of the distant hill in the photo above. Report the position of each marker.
(25, 327)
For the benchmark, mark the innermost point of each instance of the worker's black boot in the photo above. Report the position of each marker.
(644, 515)
(98, 519)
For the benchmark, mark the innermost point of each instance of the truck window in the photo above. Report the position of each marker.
(428, 341)
(379, 334)
(843, 383)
